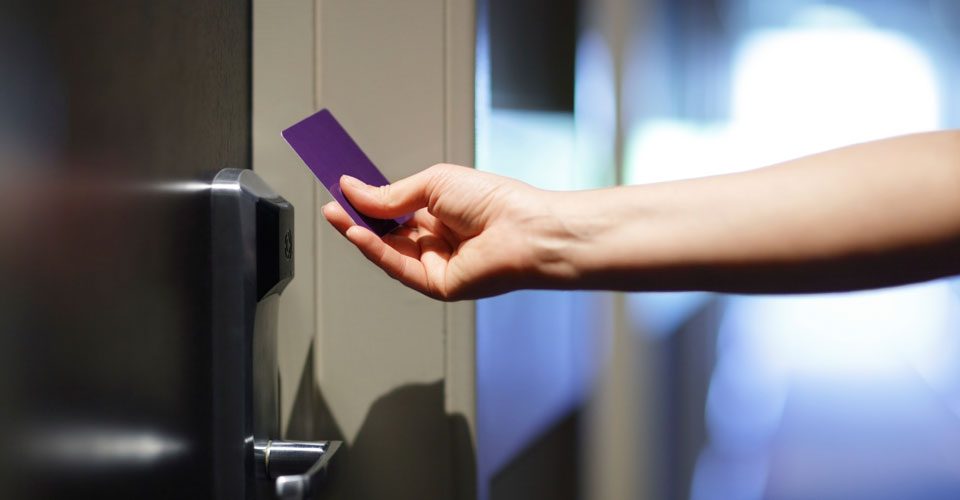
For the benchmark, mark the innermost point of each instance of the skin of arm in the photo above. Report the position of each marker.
(876, 214)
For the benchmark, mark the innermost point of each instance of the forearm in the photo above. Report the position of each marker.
(875, 214)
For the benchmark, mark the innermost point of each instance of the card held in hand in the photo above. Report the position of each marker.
(329, 152)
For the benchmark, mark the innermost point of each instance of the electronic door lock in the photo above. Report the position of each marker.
(252, 263)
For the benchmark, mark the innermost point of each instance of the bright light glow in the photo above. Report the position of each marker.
(665, 150)
(596, 112)
(795, 92)
(829, 80)
(819, 88)
(536, 147)
(184, 187)
(868, 335)
(554, 150)
(103, 446)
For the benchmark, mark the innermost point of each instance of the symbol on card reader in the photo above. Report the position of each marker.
(288, 245)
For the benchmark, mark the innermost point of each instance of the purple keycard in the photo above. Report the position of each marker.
(329, 151)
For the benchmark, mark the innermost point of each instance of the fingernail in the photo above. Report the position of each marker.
(352, 181)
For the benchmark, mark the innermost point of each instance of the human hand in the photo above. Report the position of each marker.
(472, 234)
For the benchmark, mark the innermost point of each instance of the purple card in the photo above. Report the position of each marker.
(330, 153)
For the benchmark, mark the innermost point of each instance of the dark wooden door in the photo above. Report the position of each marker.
(114, 117)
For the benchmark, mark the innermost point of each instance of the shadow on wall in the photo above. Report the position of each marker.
(408, 447)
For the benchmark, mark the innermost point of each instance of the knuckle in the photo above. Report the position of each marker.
(401, 270)
(384, 195)
(444, 169)
(440, 175)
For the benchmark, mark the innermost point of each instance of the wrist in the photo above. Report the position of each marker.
(617, 238)
(564, 236)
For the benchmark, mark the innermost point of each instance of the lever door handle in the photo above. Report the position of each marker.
(296, 467)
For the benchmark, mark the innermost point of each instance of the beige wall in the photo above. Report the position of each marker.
(283, 92)
(362, 358)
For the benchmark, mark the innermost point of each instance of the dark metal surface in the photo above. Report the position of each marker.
(114, 118)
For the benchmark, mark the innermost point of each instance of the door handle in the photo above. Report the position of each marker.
(294, 466)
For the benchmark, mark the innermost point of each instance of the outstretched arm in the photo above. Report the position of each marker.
(870, 215)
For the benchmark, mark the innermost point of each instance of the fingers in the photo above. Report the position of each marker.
(425, 220)
(393, 200)
(434, 255)
(415, 256)
(404, 268)
(404, 241)
(337, 217)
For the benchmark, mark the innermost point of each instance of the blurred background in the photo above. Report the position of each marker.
(115, 115)
(705, 396)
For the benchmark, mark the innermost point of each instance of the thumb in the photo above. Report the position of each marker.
(392, 200)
